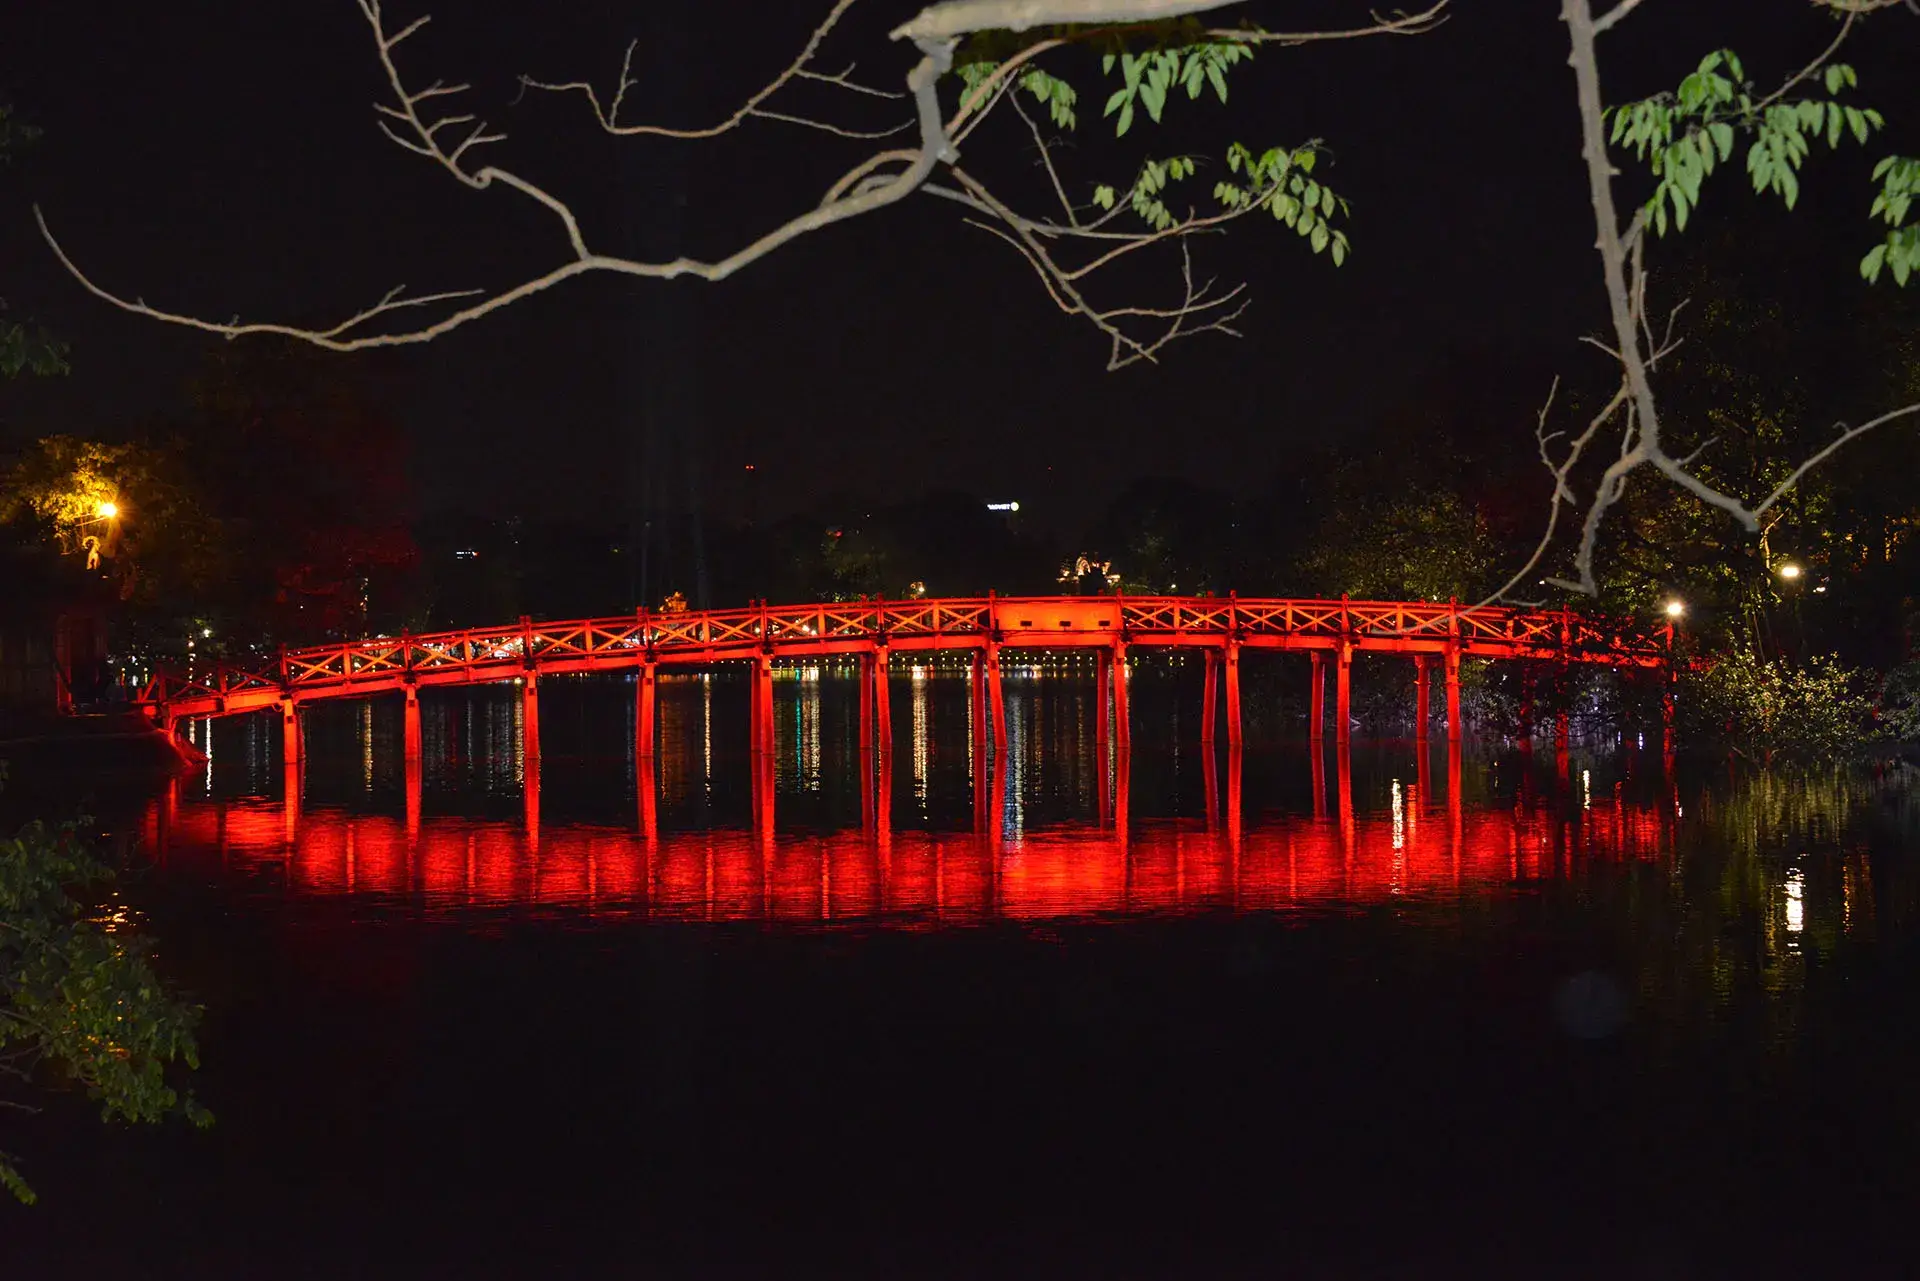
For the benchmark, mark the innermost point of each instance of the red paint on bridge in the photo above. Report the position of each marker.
(1221, 627)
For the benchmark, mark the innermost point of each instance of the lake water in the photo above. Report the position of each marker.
(1284, 1012)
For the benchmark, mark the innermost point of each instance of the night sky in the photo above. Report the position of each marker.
(221, 157)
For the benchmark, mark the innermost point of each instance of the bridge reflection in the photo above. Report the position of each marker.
(1428, 843)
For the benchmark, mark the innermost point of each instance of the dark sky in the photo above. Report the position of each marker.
(220, 157)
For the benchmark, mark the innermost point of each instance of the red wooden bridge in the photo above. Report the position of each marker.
(985, 627)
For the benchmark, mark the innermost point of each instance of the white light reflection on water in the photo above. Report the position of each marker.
(921, 750)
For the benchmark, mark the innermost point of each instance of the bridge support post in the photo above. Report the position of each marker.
(1666, 713)
(1317, 698)
(1343, 692)
(763, 703)
(1122, 734)
(530, 726)
(1102, 682)
(1231, 657)
(290, 745)
(977, 696)
(412, 783)
(644, 694)
(1526, 706)
(1666, 703)
(1453, 694)
(530, 803)
(1422, 701)
(866, 702)
(1317, 763)
(1209, 701)
(410, 731)
(997, 700)
(882, 709)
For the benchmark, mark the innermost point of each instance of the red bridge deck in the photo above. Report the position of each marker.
(1219, 626)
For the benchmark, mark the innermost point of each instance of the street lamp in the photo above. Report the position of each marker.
(107, 510)
(1676, 608)
(1788, 570)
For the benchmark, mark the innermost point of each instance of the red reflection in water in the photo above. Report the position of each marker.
(1424, 847)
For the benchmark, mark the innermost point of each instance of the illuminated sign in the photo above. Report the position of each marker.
(1003, 507)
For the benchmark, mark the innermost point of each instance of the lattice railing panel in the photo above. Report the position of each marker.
(1491, 631)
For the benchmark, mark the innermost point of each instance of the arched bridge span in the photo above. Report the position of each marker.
(1330, 632)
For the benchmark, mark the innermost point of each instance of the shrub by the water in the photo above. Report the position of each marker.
(1900, 702)
(1767, 708)
(77, 996)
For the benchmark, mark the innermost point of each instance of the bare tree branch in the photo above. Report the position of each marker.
(956, 18)
(921, 81)
(424, 123)
(1046, 159)
(609, 114)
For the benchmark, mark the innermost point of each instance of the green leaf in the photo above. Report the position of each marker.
(1126, 119)
(1218, 79)
(1320, 237)
(1873, 263)
(1103, 196)
(1153, 96)
(1722, 135)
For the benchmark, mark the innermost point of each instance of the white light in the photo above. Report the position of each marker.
(206, 631)
(1796, 905)
(1003, 507)
(1675, 608)
(1789, 570)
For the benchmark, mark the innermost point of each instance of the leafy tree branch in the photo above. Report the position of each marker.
(991, 48)
(1683, 138)
(77, 991)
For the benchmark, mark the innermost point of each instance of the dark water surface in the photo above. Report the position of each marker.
(1281, 1013)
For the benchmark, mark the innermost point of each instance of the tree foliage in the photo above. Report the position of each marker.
(1900, 702)
(159, 543)
(1684, 135)
(1767, 708)
(1153, 63)
(1424, 545)
(24, 346)
(79, 998)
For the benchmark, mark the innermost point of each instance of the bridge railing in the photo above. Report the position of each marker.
(483, 652)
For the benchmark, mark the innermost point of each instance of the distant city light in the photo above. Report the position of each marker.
(1675, 608)
(1789, 570)
(466, 553)
(1003, 507)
